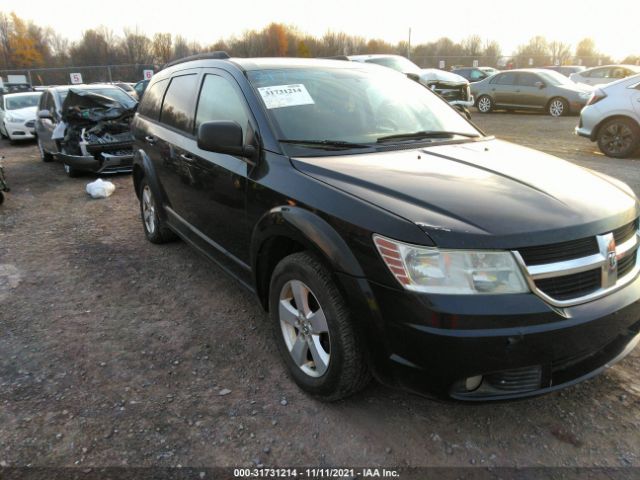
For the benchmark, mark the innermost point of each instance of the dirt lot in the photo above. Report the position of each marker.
(114, 351)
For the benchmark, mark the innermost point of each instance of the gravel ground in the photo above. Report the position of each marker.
(117, 352)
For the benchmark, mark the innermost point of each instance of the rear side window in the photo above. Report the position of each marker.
(219, 100)
(177, 108)
(150, 106)
(598, 73)
(505, 79)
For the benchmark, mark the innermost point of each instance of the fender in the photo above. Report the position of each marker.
(308, 229)
(142, 163)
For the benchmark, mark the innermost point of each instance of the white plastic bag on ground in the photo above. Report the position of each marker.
(100, 188)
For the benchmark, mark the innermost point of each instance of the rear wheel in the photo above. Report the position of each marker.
(154, 227)
(618, 137)
(485, 104)
(314, 331)
(558, 107)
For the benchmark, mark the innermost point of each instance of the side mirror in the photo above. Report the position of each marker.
(540, 84)
(224, 137)
(45, 114)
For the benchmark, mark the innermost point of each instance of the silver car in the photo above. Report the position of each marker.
(605, 74)
(612, 117)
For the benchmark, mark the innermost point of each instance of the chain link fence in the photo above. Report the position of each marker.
(88, 74)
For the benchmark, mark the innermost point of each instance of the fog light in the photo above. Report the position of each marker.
(472, 383)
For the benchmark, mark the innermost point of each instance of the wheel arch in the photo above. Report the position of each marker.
(143, 168)
(596, 129)
(285, 230)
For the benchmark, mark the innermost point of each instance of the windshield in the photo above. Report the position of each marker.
(356, 105)
(399, 64)
(555, 78)
(21, 101)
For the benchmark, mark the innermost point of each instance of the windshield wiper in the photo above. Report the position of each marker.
(325, 143)
(425, 134)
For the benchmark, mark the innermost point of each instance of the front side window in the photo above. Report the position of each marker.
(219, 100)
(177, 108)
(357, 105)
(527, 79)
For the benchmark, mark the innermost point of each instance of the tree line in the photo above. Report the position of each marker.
(26, 45)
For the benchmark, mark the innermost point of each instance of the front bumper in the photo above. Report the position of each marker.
(517, 345)
(20, 131)
(103, 162)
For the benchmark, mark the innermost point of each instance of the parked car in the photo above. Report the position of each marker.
(566, 70)
(472, 74)
(612, 118)
(531, 89)
(18, 115)
(140, 87)
(384, 232)
(15, 87)
(489, 70)
(606, 74)
(453, 88)
(86, 127)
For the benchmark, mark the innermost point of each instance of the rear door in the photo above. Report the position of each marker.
(220, 180)
(502, 88)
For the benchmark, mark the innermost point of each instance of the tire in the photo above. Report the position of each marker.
(484, 104)
(154, 227)
(339, 366)
(44, 155)
(1, 198)
(618, 137)
(70, 171)
(558, 107)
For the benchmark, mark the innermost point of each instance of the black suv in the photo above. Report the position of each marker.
(386, 234)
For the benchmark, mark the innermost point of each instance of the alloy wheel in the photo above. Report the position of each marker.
(484, 104)
(556, 108)
(304, 328)
(616, 138)
(148, 210)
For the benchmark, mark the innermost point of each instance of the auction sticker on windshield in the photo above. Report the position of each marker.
(279, 96)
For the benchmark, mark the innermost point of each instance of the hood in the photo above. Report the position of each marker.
(577, 88)
(27, 113)
(82, 106)
(435, 75)
(485, 194)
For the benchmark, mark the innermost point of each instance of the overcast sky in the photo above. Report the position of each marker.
(613, 24)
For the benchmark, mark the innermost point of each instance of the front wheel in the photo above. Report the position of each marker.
(314, 331)
(618, 137)
(558, 107)
(485, 104)
(44, 155)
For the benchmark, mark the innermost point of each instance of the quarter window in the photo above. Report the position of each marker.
(177, 108)
(150, 106)
(219, 100)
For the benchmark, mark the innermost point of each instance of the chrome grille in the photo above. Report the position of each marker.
(570, 273)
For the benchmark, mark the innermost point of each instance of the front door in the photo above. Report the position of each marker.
(218, 192)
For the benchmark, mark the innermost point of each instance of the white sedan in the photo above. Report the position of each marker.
(18, 115)
(612, 117)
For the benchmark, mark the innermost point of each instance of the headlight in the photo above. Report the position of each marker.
(454, 272)
(12, 119)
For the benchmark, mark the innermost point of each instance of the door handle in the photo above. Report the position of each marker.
(186, 157)
(150, 140)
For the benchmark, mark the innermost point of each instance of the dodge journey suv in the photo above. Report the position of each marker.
(384, 233)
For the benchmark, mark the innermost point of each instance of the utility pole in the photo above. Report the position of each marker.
(409, 45)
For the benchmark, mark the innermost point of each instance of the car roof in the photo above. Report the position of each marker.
(372, 55)
(622, 65)
(84, 86)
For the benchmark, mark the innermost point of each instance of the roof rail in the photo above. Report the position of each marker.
(217, 55)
